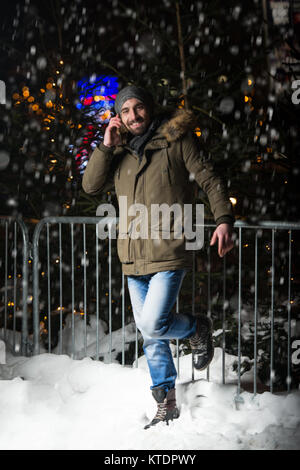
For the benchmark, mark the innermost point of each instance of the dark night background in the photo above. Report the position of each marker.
(233, 66)
(255, 143)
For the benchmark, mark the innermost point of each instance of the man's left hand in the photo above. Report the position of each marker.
(223, 234)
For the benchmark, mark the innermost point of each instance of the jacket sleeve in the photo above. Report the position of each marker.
(206, 177)
(98, 175)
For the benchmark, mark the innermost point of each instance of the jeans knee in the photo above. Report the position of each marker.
(152, 330)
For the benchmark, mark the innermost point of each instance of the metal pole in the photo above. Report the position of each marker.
(73, 300)
(84, 290)
(223, 320)
(49, 290)
(289, 315)
(272, 317)
(255, 317)
(97, 297)
(238, 398)
(60, 292)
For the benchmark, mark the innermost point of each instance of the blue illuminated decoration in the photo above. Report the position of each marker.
(97, 95)
(97, 91)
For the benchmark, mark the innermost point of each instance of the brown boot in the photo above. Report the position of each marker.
(166, 406)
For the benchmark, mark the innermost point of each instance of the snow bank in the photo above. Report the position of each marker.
(54, 402)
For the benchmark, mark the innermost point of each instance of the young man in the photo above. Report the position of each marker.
(153, 166)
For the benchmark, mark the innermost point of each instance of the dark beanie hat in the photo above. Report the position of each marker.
(132, 91)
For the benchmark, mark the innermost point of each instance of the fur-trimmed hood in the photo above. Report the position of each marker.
(179, 123)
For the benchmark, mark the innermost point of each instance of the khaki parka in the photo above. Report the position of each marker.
(168, 173)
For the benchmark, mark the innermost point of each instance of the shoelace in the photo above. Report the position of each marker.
(197, 343)
(161, 411)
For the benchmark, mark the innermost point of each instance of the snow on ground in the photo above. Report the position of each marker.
(54, 402)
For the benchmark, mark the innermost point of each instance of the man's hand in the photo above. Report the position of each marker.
(223, 233)
(112, 136)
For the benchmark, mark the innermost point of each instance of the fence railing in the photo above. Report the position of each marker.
(13, 307)
(80, 275)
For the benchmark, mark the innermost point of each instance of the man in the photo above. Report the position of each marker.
(153, 166)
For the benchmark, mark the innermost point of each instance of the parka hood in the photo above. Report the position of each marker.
(178, 124)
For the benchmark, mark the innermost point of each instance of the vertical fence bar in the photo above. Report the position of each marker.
(6, 277)
(238, 398)
(123, 320)
(177, 340)
(193, 306)
(84, 289)
(49, 289)
(15, 251)
(24, 339)
(272, 316)
(60, 291)
(193, 283)
(18, 312)
(223, 320)
(255, 315)
(97, 297)
(73, 300)
(208, 289)
(109, 294)
(289, 315)
(36, 346)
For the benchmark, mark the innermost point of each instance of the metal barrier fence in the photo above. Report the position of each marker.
(70, 260)
(14, 307)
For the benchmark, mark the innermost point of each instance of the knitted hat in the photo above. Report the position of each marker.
(132, 91)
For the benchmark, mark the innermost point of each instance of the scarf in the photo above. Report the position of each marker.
(137, 143)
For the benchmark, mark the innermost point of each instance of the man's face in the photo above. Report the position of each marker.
(135, 116)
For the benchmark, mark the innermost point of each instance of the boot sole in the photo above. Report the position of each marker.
(171, 418)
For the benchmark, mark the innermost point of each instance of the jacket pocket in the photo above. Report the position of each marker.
(123, 246)
(166, 249)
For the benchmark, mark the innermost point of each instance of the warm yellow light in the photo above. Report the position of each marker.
(49, 86)
(26, 93)
(222, 79)
(246, 99)
(31, 99)
(49, 104)
(233, 200)
(198, 131)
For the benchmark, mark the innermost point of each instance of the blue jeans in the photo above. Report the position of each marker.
(152, 297)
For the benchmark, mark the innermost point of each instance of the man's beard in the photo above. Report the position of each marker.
(140, 129)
